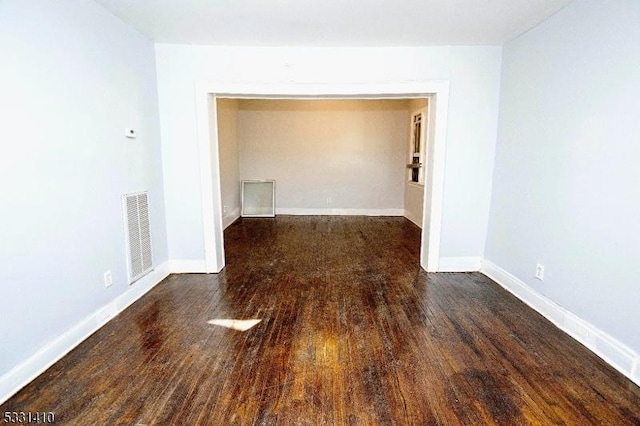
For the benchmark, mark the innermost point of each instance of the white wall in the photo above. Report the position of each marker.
(413, 202)
(474, 74)
(72, 78)
(229, 154)
(349, 151)
(566, 185)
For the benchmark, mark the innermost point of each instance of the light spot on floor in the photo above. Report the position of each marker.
(240, 325)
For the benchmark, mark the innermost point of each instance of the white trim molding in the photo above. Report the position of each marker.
(210, 190)
(340, 212)
(207, 90)
(635, 371)
(612, 351)
(432, 203)
(460, 264)
(22, 374)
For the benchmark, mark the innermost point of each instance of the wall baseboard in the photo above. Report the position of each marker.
(460, 264)
(229, 218)
(340, 212)
(615, 353)
(22, 374)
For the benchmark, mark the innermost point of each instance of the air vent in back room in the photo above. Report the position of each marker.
(138, 234)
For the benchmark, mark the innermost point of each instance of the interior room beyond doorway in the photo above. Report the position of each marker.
(328, 156)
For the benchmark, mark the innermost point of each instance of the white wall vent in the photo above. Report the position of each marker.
(138, 234)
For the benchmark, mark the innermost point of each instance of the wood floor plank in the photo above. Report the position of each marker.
(351, 332)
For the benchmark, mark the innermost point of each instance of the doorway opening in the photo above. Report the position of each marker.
(211, 168)
(319, 157)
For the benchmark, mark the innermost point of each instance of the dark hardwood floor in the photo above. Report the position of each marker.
(352, 332)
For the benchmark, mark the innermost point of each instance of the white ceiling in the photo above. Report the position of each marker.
(333, 22)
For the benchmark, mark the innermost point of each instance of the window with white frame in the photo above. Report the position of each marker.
(417, 147)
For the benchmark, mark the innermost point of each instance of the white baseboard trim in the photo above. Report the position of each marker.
(21, 375)
(460, 264)
(340, 212)
(612, 351)
(229, 218)
(188, 266)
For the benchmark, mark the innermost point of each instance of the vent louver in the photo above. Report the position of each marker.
(139, 256)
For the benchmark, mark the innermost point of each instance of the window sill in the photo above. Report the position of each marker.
(416, 184)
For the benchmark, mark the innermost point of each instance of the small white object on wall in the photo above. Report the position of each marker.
(130, 133)
(539, 271)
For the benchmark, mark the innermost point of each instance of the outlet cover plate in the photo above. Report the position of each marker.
(539, 271)
(108, 278)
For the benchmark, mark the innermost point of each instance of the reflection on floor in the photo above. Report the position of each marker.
(235, 324)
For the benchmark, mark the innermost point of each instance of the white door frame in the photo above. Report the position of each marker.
(210, 163)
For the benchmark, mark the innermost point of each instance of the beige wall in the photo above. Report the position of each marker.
(413, 192)
(351, 151)
(327, 156)
(228, 150)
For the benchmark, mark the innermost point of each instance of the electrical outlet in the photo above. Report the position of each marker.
(328, 200)
(539, 271)
(224, 209)
(108, 279)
